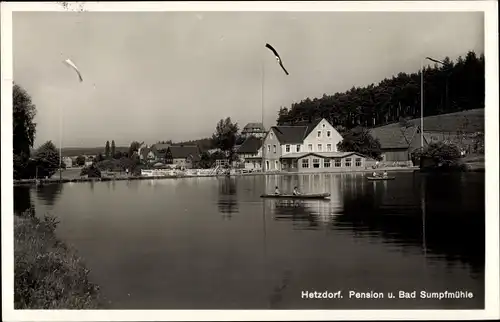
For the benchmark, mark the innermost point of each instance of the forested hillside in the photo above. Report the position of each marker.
(452, 87)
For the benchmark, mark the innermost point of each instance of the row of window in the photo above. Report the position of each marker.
(328, 133)
(316, 163)
(297, 148)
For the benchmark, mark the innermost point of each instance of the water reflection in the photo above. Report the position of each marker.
(49, 193)
(275, 248)
(306, 214)
(424, 214)
(22, 199)
(228, 203)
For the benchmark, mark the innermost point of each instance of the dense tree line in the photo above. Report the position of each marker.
(45, 160)
(452, 87)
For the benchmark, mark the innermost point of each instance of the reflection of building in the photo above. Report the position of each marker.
(308, 147)
(310, 212)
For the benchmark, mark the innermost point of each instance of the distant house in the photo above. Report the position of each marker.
(398, 143)
(160, 149)
(285, 146)
(184, 156)
(460, 128)
(253, 129)
(146, 154)
(250, 153)
(68, 162)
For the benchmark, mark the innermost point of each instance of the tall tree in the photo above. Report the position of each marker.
(24, 129)
(107, 150)
(225, 136)
(360, 140)
(113, 149)
(46, 159)
(134, 147)
(80, 160)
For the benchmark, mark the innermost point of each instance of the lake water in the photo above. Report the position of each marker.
(213, 243)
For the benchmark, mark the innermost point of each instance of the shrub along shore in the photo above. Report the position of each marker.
(47, 273)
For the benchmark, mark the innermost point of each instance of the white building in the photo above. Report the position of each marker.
(285, 146)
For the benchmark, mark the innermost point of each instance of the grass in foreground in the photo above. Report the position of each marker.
(48, 274)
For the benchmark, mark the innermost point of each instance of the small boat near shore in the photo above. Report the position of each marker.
(380, 178)
(325, 195)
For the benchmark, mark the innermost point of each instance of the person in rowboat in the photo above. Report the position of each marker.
(277, 191)
(374, 174)
(385, 174)
(296, 191)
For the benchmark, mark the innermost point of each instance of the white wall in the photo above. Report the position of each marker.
(324, 140)
(271, 155)
(293, 148)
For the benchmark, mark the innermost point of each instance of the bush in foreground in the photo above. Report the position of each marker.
(47, 274)
(439, 156)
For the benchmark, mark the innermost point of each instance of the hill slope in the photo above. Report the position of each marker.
(469, 121)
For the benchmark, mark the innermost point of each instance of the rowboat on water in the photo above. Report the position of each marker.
(380, 178)
(325, 195)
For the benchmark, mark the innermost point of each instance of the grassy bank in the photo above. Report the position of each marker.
(48, 274)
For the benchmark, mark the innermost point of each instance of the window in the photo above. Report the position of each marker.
(324, 125)
(287, 148)
(328, 147)
(315, 163)
(267, 165)
(328, 133)
(326, 163)
(305, 163)
(319, 134)
(320, 148)
(337, 163)
(274, 148)
(310, 147)
(276, 165)
(298, 147)
(348, 162)
(268, 148)
(358, 162)
(271, 135)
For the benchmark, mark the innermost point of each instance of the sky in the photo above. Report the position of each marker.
(154, 76)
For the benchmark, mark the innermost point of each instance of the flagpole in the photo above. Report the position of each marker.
(262, 107)
(60, 142)
(422, 105)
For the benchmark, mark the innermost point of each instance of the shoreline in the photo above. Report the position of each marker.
(134, 178)
(48, 273)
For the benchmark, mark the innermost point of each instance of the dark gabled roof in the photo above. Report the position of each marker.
(185, 151)
(160, 147)
(250, 145)
(394, 136)
(310, 126)
(289, 134)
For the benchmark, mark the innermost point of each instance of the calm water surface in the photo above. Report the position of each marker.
(213, 243)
